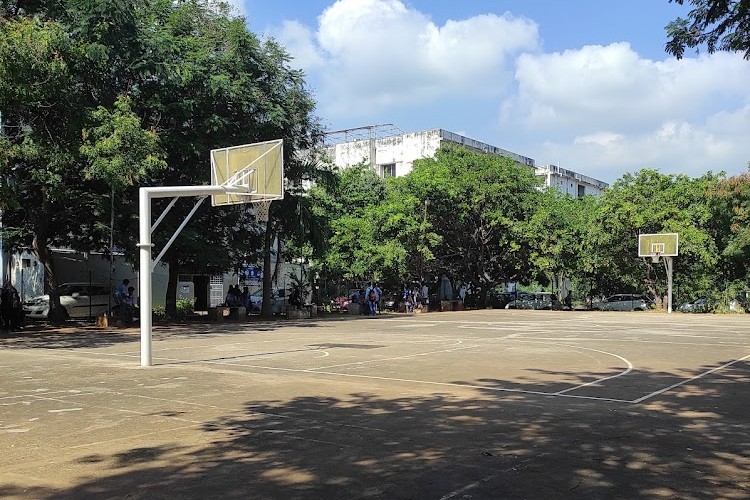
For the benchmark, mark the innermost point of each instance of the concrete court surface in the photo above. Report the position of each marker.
(474, 404)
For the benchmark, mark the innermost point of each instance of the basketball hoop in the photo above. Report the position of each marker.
(655, 257)
(262, 208)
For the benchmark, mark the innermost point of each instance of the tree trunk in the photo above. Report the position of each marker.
(266, 310)
(652, 285)
(40, 245)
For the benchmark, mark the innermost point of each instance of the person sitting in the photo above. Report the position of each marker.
(231, 300)
(127, 305)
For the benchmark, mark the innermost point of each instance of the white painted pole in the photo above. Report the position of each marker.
(144, 278)
(144, 243)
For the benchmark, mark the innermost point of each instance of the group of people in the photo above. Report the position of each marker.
(11, 309)
(238, 298)
(415, 297)
(411, 297)
(125, 298)
(369, 299)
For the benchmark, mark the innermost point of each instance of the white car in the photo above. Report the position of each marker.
(78, 300)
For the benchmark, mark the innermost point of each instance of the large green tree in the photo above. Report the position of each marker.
(188, 72)
(651, 202)
(715, 24)
(557, 233)
(57, 79)
(479, 205)
(730, 201)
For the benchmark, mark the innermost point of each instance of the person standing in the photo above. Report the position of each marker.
(425, 295)
(378, 296)
(372, 299)
(446, 290)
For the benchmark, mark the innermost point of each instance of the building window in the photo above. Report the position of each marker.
(388, 170)
(25, 263)
(581, 190)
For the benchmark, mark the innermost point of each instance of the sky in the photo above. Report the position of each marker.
(584, 84)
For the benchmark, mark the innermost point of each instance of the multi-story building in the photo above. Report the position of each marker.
(392, 153)
(572, 183)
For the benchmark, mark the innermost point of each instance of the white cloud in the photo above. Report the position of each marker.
(298, 41)
(375, 53)
(604, 110)
(238, 7)
(600, 110)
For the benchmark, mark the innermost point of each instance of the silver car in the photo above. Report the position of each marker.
(624, 302)
(78, 300)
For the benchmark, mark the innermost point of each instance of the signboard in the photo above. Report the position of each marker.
(251, 274)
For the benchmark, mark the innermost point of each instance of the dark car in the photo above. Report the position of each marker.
(498, 300)
(538, 301)
(624, 302)
(699, 305)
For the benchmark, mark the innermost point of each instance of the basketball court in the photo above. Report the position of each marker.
(473, 404)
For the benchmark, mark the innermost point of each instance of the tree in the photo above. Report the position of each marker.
(650, 202)
(77, 78)
(731, 207)
(717, 24)
(55, 71)
(557, 232)
(479, 205)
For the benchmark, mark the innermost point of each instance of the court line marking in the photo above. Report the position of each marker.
(643, 398)
(624, 372)
(413, 381)
(687, 381)
(397, 357)
(485, 479)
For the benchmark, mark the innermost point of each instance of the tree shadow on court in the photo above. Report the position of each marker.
(79, 335)
(689, 443)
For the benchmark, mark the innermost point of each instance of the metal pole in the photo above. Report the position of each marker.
(111, 248)
(668, 262)
(144, 244)
(144, 277)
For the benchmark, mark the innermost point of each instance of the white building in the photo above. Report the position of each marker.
(572, 183)
(392, 153)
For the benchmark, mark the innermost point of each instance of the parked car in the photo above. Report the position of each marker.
(392, 301)
(277, 301)
(739, 304)
(498, 300)
(624, 302)
(78, 300)
(699, 305)
(539, 300)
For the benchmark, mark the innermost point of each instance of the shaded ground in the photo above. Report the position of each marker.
(487, 404)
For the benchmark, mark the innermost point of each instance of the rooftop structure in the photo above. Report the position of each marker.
(391, 153)
(394, 155)
(572, 183)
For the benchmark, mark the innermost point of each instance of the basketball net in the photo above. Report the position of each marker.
(262, 208)
(655, 257)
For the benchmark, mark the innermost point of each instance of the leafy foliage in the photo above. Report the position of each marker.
(717, 24)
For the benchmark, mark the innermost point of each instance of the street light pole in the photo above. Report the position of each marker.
(424, 238)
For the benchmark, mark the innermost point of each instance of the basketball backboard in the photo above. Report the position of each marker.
(256, 168)
(660, 244)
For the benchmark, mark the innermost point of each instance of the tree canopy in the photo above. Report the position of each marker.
(715, 24)
(100, 97)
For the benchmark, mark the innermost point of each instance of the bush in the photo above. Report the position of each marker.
(185, 307)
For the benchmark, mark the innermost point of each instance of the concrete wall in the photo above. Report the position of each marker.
(27, 273)
(569, 182)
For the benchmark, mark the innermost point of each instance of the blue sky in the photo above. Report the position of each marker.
(584, 84)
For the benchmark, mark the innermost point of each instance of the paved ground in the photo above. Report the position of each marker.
(484, 404)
